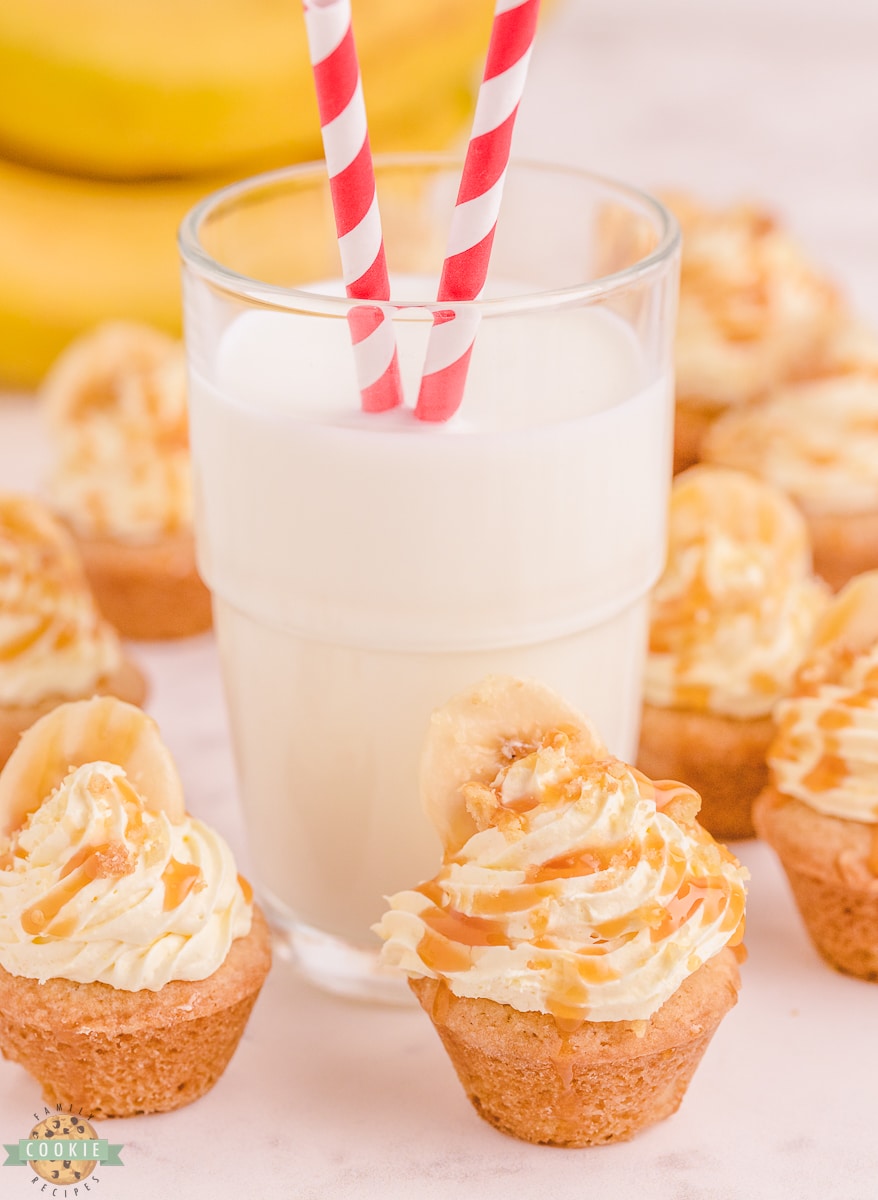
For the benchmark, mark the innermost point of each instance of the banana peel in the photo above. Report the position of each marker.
(165, 88)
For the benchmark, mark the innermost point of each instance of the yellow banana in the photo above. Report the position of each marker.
(162, 88)
(75, 252)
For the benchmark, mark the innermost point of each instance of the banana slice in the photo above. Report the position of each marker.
(851, 621)
(483, 729)
(103, 729)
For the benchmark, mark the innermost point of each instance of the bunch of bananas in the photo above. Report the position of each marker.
(115, 118)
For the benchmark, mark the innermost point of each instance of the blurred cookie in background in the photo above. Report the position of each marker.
(115, 403)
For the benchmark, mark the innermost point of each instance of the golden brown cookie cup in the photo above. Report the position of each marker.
(826, 860)
(845, 544)
(114, 1053)
(150, 591)
(721, 757)
(601, 1083)
(127, 683)
(691, 426)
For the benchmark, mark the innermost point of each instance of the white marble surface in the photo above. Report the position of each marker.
(326, 1100)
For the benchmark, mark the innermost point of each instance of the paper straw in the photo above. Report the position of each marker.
(478, 205)
(354, 200)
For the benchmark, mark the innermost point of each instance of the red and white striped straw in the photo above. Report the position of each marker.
(478, 205)
(354, 199)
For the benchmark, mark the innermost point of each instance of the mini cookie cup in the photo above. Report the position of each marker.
(151, 591)
(602, 1082)
(722, 758)
(831, 866)
(116, 1053)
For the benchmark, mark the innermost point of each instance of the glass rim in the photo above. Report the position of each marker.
(246, 287)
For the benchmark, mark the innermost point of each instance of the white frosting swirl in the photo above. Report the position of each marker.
(817, 441)
(96, 888)
(826, 749)
(733, 613)
(579, 897)
(53, 642)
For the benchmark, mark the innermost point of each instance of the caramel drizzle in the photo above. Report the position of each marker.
(179, 880)
(86, 865)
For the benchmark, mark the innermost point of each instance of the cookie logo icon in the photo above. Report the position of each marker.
(63, 1126)
(63, 1149)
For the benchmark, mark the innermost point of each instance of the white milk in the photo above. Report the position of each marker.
(366, 568)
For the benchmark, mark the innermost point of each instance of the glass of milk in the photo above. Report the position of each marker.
(364, 568)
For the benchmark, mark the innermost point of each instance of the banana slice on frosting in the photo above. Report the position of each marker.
(851, 621)
(483, 729)
(100, 730)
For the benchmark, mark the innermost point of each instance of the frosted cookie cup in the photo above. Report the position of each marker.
(817, 440)
(753, 313)
(574, 952)
(130, 951)
(731, 620)
(820, 811)
(116, 408)
(54, 645)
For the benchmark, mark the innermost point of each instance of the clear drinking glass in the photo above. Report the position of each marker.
(364, 568)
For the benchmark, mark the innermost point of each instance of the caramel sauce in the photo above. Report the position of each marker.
(511, 900)
(707, 893)
(871, 679)
(666, 791)
(786, 725)
(442, 956)
(568, 1009)
(693, 695)
(834, 718)
(828, 773)
(569, 866)
(562, 1059)
(25, 641)
(65, 637)
(569, 989)
(76, 874)
(465, 930)
(593, 968)
(609, 930)
(81, 857)
(441, 1003)
(133, 799)
(7, 860)
(433, 891)
(525, 804)
(246, 889)
(107, 861)
(449, 937)
(179, 880)
(762, 683)
(646, 786)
